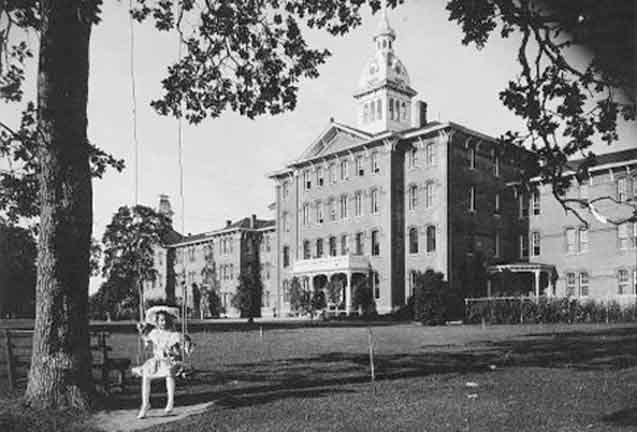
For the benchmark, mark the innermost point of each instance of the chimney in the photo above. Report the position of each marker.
(421, 114)
(253, 221)
(165, 207)
(228, 223)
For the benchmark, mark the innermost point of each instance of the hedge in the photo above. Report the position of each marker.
(529, 310)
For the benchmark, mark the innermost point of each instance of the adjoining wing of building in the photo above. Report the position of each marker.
(397, 194)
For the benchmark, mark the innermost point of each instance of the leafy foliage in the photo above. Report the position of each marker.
(300, 299)
(565, 107)
(431, 298)
(17, 271)
(248, 296)
(129, 245)
(363, 295)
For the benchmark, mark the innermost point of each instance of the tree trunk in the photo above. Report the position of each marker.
(60, 374)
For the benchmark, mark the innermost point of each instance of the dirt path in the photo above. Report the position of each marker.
(126, 420)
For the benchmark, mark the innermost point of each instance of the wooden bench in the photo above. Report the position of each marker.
(17, 354)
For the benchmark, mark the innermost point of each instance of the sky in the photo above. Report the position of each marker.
(226, 160)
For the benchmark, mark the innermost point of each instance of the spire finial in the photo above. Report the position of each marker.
(384, 29)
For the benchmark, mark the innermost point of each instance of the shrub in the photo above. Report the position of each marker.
(431, 298)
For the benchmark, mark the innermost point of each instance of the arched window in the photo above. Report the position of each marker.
(379, 109)
(365, 113)
(391, 108)
(376, 285)
(397, 109)
(306, 249)
(413, 240)
(431, 238)
(372, 111)
(404, 111)
(286, 291)
(413, 197)
(623, 282)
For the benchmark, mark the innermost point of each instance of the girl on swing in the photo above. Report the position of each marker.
(166, 361)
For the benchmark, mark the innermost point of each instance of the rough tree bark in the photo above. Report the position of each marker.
(60, 365)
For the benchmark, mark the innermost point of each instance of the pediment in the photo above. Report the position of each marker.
(334, 139)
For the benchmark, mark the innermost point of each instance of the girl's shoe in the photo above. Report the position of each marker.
(142, 412)
(168, 409)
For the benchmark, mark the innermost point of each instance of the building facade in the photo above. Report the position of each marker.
(194, 264)
(394, 195)
(596, 259)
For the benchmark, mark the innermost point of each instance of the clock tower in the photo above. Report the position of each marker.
(384, 96)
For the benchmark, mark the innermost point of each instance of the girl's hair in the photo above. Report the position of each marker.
(169, 319)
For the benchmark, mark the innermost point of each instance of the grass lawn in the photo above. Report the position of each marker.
(522, 378)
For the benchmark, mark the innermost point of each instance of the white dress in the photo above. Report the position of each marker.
(165, 361)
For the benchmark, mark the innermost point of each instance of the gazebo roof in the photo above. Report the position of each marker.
(521, 267)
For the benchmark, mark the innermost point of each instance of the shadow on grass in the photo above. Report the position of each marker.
(249, 384)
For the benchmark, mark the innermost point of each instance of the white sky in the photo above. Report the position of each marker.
(226, 159)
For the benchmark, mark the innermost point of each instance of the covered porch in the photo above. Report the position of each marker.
(339, 273)
(536, 279)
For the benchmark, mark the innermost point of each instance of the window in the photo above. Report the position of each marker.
(359, 243)
(472, 157)
(319, 248)
(430, 154)
(375, 165)
(376, 286)
(344, 244)
(413, 240)
(375, 243)
(397, 109)
(413, 197)
(285, 222)
(374, 201)
(267, 244)
(344, 169)
(583, 284)
(634, 194)
(570, 284)
(404, 111)
(286, 291)
(622, 189)
(498, 244)
(379, 109)
(524, 205)
(583, 240)
(286, 256)
(623, 282)
(571, 243)
(535, 197)
(472, 198)
(391, 108)
(366, 113)
(332, 209)
(332, 172)
(306, 249)
(497, 202)
(583, 191)
(285, 189)
(372, 111)
(496, 164)
(358, 204)
(431, 238)
(332, 242)
(535, 242)
(524, 246)
(358, 164)
(319, 176)
(626, 241)
(343, 205)
(412, 282)
(307, 182)
(319, 212)
(429, 195)
(306, 214)
(412, 157)
(231, 271)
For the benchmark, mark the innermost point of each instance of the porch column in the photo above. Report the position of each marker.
(348, 293)
(489, 286)
(536, 273)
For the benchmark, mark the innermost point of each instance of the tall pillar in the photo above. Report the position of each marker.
(348, 294)
(488, 286)
(536, 273)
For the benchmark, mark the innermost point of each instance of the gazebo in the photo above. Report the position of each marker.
(536, 269)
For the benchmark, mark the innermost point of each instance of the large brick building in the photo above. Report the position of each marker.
(397, 192)
(214, 259)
